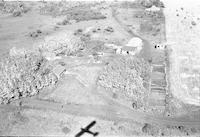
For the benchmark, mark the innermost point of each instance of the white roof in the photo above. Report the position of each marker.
(153, 8)
(127, 48)
(135, 42)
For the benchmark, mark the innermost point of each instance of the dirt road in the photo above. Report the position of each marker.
(113, 112)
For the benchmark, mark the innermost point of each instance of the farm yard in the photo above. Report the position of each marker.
(132, 67)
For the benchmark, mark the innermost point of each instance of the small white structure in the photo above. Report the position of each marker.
(160, 46)
(153, 9)
(136, 43)
(112, 46)
(118, 51)
(133, 47)
(50, 56)
(126, 50)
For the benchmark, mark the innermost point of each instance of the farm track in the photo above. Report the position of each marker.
(157, 97)
(114, 112)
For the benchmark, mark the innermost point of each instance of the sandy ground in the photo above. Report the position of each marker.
(184, 40)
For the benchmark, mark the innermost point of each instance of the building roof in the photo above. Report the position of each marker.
(135, 42)
(127, 48)
(153, 8)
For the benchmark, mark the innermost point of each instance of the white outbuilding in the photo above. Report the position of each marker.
(136, 43)
(126, 50)
(153, 9)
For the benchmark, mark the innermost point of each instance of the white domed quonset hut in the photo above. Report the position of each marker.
(135, 42)
(153, 9)
(134, 45)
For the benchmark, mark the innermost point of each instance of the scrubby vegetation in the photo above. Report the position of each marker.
(158, 130)
(126, 75)
(83, 14)
(150, 3)
(64, 22)
(94, 46)
(150, 129)
(73, 10)
(14, 8)
(22, 74)
(35, 34)
(54, 8)
(63, 46)
(142, 3)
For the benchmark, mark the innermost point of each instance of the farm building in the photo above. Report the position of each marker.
(126, 50)
(135, 42)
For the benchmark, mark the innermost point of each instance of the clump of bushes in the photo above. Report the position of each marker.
(150, 3)
(58, 8)
(68, 45)
(126, 75)
(73, 10)
(22, 74)
(14, 8)
(84, 14)
(52, 8)
(64, 22)
(35, 34)
(149, 129)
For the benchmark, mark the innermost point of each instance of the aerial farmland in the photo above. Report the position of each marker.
(100, 68)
